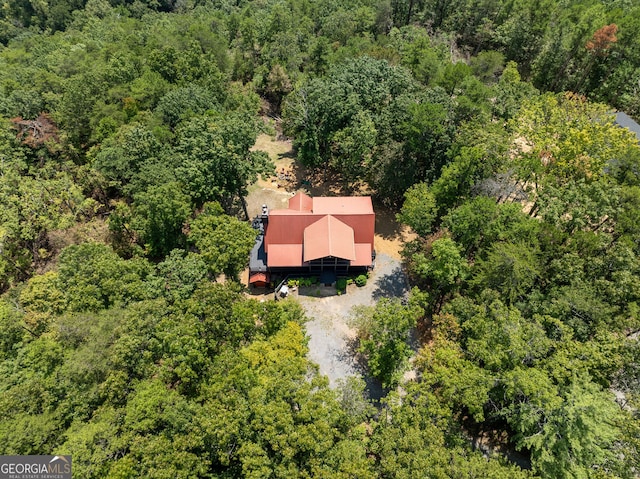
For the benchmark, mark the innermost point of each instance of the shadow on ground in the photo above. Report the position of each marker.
(391, 285)
(332, 338)
(317, 291)
(375, 391)
(386, 224)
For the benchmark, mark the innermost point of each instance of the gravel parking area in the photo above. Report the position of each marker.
(330, 337)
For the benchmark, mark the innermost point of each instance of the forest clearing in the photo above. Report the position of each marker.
(274, 192)
(332, 339)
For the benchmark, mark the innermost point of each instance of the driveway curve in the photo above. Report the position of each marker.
(330, 336)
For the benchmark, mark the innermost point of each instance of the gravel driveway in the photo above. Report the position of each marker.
(330, 337)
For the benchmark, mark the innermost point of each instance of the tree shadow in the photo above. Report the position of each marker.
(259, 292)
(492, 438)
(287, 154)
(233, 206)
(414, 340)
(316, 181)
(392, 285)
(387, 225)
(317, 291)
(374, 389)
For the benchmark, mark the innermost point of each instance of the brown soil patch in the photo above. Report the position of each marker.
(390, 235)
(273, 191)
(95, 230)
(280, 151)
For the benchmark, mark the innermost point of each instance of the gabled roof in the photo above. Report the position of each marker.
(363, 254)
(258, 278)
(320, 227)
(285, 255)
(300, 202)
(329, 237)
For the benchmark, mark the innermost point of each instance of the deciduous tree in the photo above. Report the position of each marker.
(384, 332)
(224, 242)
(159, 215)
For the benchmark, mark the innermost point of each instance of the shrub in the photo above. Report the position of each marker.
(361, 280)
(308, 281)
(341, 285)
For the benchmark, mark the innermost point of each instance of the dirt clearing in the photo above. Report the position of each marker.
(292, 177)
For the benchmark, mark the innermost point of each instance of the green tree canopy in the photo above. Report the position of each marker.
(93, 277)
(224, 242)
(419, 209)
(384, 332)
(215, 160)
(159, 216)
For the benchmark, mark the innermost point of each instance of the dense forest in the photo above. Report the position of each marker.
(126, 135)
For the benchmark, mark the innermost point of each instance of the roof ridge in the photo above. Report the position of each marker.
(329, 232)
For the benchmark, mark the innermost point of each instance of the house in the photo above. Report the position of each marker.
(324, 236)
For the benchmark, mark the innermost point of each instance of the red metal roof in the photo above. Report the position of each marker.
(285, 255)
(363, 254)
(301, 202)
(328, 237)
(342, 205)
(288, 227)
(259, 278)
(363, 226)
